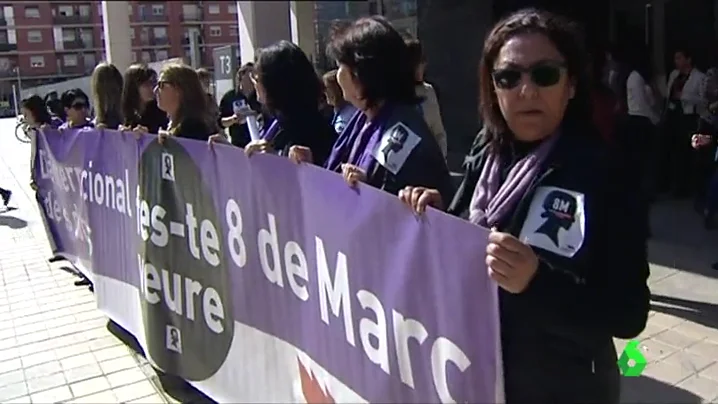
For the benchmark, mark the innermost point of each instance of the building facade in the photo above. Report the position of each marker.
(42, 42)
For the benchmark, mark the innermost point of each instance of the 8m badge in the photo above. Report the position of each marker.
(187, 314)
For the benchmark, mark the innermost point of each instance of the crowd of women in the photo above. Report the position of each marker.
(567, 239)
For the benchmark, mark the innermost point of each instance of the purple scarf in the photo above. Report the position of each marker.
(270, 131)
(491, 202)
(358, 141)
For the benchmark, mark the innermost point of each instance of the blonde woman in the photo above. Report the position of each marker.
(181, 96)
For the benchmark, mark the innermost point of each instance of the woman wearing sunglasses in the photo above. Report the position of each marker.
(567, 245)
(76, 105)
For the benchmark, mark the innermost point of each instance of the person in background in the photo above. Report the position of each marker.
(425, 91)
(343, 109)
(706, 155)
(181, 96)
(559, 209)
(289, 89)
(683, 101)
(237, 103)
(388, 145)
(54, 105)
(107, 85)
(639, 135)
(76, 104)
(37, 116)
(205, 77)
(604, 101)
(139, 107)
(614, 76)
(325, 108)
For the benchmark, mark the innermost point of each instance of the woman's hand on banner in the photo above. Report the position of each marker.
(161, 137)
(698, 140)
(217, 138)
(353, 174)
(257, 146)
(511, 263)
(300, 154)
(418, 198)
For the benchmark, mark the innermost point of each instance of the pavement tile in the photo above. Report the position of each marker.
(117, 364)
(8, 378)
(45, 382)
(44, 369)
(56, 395)
(705, 388)
(104, 397)
(77, 361)
(83, 373)
(13, 391)
(90, 386)
(125, 377)
(134, 391)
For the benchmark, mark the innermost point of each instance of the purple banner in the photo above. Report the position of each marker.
(262, 280)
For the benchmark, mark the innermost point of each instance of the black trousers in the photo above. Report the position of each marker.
(680, 127)
(534, 378)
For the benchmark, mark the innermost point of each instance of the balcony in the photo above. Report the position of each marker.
(3, 22)
(8, 73)
(75, 44)
(152, 18)
(79, 70)
(8, 47)
(192, 17)
(71, 19)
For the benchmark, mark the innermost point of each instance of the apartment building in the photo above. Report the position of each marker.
(47, 41)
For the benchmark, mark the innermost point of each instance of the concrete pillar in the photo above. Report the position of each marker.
(453, 67)
(261, 23)
(301, 20)
(116, 24)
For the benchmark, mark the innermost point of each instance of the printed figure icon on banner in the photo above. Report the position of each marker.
(174, 339)
(168, 167)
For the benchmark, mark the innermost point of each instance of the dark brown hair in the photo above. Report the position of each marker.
(415, 52)
(135, 76)
(377, 56)
(567, 38)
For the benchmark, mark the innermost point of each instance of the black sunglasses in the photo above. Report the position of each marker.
(543, 74)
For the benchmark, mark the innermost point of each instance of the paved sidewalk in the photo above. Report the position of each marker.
(55, 346)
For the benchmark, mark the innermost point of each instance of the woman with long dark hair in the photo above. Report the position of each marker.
(139, 107)
(388, 145)
(567, 234)
(289, 89)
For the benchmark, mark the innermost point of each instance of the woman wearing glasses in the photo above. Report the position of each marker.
(568, 240)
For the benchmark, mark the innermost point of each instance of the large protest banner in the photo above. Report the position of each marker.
(259, 280)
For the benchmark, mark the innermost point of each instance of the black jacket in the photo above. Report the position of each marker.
(309, 130)
(562, 326)
(424, 166)
(152, 118)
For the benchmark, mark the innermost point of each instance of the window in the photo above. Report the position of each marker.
(215, 31)
(132, 33)
(32, 12)
(159, 32)
(65, 11)
(5, 64)
(145, 34)
(68, 35)
(213, 9)
(37, 61)
(233, 30)
(69, 60)
(84, 10)
(129, 9)
(158, 9)
(87, 36)
(232, 8)
(3, 36)
(34, 36)
(89, 60)
(99, 9)
(146, 56)
(162, 55)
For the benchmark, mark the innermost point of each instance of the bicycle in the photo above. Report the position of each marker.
(22, 130)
